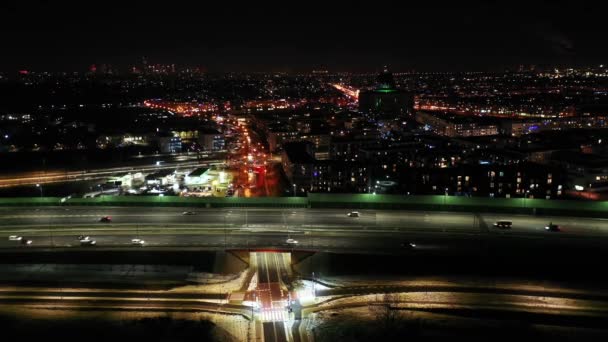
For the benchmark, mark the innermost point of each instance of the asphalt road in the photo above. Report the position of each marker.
(274, 332)
(316, 229)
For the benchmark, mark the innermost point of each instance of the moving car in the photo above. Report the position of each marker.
(26, 242)
(552, 227)
(82, 237)
(504, 224)
(292, 241)
(15, 238)
(188, 213)
(353, 214)
(105, 219)
(138, 242)
(408, 245)
(88, 242)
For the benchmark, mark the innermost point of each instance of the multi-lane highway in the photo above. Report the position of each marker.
(313, 228)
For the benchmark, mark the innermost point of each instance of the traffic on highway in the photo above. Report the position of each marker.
(289, 228)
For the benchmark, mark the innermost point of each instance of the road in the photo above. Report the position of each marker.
(55, 298)
(47, 177)
(298, 218)
(313, 228)
(271, 295)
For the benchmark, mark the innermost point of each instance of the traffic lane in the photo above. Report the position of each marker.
(271, 265)
(423, 220)
(295, 218)
(269, 332)
(532, 224)
(118, 215)
(278, 241)
(330, 217)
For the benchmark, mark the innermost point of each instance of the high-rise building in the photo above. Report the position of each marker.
(385, 98)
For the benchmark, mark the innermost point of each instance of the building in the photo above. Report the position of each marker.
(211, 140)
(450, 125)
(385, 98)
(321, 141)
(507, 181)
(348, 148)
(585, 171)
(308, 174)
(169, 144)
(298, 162)
(197, 177)
(521, 127)
(277, 136)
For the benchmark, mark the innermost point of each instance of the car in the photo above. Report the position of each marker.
(15, 238)
(503, 224)
(353, 214)
(138, 242)
(291, 241)
(552, 227)
(26, 242)
(188, 213)
(408, 245)
(105, 219)
(82, 237)
(88, 242)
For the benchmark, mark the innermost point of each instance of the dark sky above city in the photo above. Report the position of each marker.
(300, 36)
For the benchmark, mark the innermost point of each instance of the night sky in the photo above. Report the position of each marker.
(305, 35)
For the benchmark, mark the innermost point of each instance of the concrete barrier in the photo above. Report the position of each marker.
(352, 201)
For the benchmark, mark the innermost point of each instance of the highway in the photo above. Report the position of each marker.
(316, 229)
(444, 234)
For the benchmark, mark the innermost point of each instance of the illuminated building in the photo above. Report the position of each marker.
(169, 144)
(457, 126)
(211, 140)
(385, 98)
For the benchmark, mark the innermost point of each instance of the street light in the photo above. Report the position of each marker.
(39, 187)
(294, 190)
(526, 192)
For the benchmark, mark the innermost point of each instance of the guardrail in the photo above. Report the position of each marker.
(352, 201)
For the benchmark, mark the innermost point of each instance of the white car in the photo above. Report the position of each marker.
(88, 242)
(15, 238)
(188, 213)
(292, 241)
(353, 214)
(138, 242)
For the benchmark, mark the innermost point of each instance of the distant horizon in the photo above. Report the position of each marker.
(126, 69)
(456, 36)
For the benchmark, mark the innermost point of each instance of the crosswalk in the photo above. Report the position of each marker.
(273, 315)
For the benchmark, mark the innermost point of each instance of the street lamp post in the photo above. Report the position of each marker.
(40, 188)
(314, 290)
(225, 233)
(294, 190)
